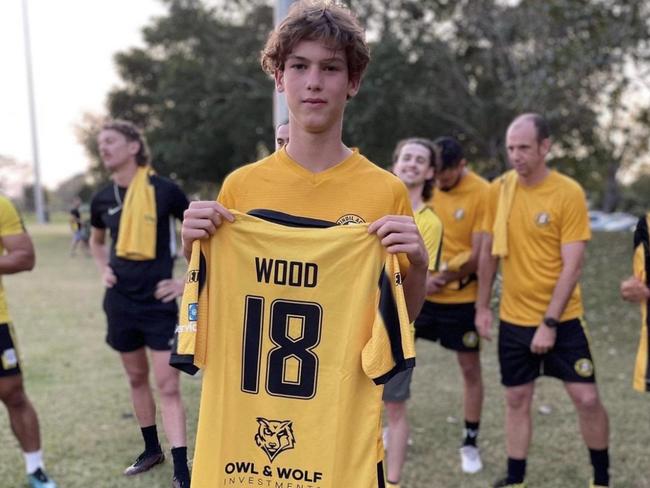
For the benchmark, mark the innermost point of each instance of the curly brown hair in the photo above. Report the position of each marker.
(318, 20)
(132, 133)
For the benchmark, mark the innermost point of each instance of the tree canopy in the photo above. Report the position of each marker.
(462, 68)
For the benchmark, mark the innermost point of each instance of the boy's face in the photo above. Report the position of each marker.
(316, 84)
(413, 165)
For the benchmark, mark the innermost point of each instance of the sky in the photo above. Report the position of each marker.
(72, 45)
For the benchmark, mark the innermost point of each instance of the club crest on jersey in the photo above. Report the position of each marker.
(584, 367)
(350, 219)
(542, 219)
(274, 436)
(459, 214)
(9, 358)
(192, 312)
(470, 339)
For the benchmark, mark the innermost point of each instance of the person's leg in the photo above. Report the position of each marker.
(173, 411)
(136, 367)
(22, 415)
(594, 426)
(470, 366)
(518, 430)
(398, 434)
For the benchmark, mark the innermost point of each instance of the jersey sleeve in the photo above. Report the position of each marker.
(190, 337)
(390, 348)
(432, 231)
(10, 221)
(491, 200)
(179, 202)
(481, 208)
(95, 214)
(575, 218)
(402, 206)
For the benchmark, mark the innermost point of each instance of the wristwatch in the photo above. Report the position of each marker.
(551, 322)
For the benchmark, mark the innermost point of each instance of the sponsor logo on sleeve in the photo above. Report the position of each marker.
(192, 312)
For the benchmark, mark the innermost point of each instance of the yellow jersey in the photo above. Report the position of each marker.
(542, 218)
(431, 231)
(641, 263)
(461, 211)
(294, 328)
(354, 191)
(10, 224)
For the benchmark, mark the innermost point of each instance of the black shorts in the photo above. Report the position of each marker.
(9, 362)
(570, 359)
(450, 323)
(398, 388)
(135, 324)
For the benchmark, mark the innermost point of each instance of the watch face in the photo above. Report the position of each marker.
(551, 322)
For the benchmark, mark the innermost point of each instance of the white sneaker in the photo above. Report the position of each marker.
(470, 459)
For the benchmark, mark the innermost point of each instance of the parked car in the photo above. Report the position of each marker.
(611, 222)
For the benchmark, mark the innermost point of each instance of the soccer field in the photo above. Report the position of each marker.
(90, 435)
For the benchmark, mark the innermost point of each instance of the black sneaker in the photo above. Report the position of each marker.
(145, 462)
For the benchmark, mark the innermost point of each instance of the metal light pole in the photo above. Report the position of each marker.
(38, 191)
(280, 111)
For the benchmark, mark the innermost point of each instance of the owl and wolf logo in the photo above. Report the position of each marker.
(274, 436)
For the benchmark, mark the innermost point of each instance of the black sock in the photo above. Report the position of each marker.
(471, 433)
(181, 471)
(516, 470)
(600, 462)
(150, 436)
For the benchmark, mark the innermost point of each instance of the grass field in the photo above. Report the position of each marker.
(89, 434)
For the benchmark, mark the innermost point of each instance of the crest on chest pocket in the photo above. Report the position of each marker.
(542, 219)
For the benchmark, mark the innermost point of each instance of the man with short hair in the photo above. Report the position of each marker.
(537, 225)
(448, 312)
(16, 255)
(413, 164)
(281, 135)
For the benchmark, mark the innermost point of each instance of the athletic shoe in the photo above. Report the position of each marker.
(39, 479)
(176, 483)
(504, 484)
(144, 463)
(470, 459)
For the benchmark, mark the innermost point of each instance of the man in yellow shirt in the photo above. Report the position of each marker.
(16, 255)
(635, 289)
(536, 223)
(413, 164)
(448, 312)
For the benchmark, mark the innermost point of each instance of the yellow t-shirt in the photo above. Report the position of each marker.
(461, 210)
(294, 328)
(10, 224)
(542, 218)
(641, 378)
(353, 191)
(431, 229)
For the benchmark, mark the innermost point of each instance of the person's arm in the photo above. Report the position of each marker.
(19, 254)
(399, 234)
(100, 255)
(201, 220)
(445, 277)
(487, 268)
(572, 261)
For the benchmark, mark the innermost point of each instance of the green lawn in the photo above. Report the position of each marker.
(81, 394)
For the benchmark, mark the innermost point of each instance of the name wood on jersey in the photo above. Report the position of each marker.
(286, 273)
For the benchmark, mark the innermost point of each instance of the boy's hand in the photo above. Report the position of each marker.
(399, 234)
(201, 220)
